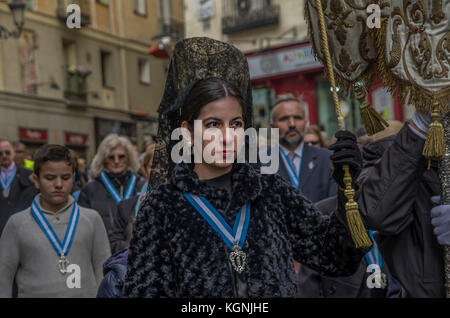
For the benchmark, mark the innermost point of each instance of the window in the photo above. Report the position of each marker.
(69, 53)
(107, 69)
(30, 4)
(144, 71)
(165, 11)
(140, 7)
(104, 2)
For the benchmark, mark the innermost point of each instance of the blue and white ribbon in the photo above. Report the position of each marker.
(113, 191)
(62, 249)
(6, 183)
(76, 195)
(230, 236)
(374, 255)
(293, 175)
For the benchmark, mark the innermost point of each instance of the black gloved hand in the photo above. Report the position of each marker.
(346, 152)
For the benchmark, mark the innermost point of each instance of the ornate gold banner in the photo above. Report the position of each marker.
(414, 52)
(351, 44)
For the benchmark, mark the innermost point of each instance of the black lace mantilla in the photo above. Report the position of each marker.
(195, 59)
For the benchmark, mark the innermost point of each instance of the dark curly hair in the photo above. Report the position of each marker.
(53, 153)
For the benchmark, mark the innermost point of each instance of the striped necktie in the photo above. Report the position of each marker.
(291, 157)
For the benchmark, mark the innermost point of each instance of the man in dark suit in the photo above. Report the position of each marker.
(290, 116)
(16, 188)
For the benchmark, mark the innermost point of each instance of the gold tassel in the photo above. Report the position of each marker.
(373, 122)
(357, 229)
(434, 148)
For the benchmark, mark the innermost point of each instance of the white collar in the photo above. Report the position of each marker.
(298, 151)
(66, 208)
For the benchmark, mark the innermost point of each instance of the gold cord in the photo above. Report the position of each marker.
(357, 229)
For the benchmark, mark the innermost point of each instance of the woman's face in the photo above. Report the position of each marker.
(219, 146)
(311, 139)
(117, 160)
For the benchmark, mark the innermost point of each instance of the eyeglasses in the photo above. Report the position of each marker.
(313, 143)
(114, 157)
(6, 152)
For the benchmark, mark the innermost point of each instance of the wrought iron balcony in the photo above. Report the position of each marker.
(61, 10)
(170, 28)
(240, 15)
(75, 90)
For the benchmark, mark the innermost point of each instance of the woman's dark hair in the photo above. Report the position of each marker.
(206, 91)
(53, 153)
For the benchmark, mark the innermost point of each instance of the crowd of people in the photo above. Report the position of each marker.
(57, 185)
(223, 229)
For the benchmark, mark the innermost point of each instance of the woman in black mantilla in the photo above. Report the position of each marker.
(176, 251)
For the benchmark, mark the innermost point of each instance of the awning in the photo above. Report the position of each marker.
(158, 53)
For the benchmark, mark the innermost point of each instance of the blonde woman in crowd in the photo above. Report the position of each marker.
(113, 169)
(115, 268)
(314, 137)
(128, 209)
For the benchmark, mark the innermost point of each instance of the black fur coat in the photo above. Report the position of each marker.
(175, 253)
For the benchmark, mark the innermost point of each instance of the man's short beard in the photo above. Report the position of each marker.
(291, 143)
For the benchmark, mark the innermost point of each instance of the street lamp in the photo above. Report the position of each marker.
(17, 8)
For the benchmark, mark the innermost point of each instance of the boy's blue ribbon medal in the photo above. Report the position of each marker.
(62, 249)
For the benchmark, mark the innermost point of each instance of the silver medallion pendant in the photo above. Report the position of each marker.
(62, 265)
(237, 258)
(5, 193)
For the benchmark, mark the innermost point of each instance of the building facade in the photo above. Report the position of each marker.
(75, 86)
(273, 34)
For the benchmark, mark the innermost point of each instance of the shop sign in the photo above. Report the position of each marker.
(76, 139)
(280, 62)
(33, 135)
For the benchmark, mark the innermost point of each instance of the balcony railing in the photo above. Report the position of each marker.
(171, 28)
(240, 15)
(75, 90)
(61, 10)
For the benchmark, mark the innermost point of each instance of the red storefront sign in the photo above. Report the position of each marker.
(33, 135)
(78, 140)
(288, 69)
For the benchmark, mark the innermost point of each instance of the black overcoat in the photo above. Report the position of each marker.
(395, 200)
(175, 253)
(20, 196)
(95, 196)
